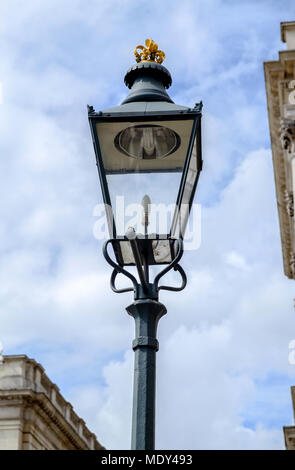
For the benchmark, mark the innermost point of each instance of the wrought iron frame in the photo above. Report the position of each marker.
(145, 289)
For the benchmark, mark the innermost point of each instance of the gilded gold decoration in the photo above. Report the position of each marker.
(150, 53)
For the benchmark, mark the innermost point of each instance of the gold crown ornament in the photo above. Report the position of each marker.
(150, 53)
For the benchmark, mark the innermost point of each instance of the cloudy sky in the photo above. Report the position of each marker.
(223, 376)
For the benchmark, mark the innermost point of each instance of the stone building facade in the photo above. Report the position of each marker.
(280, 93)
(33, 413)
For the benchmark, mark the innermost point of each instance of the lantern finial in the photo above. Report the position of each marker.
(150, 53)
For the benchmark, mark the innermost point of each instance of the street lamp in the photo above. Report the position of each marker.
(148, 152)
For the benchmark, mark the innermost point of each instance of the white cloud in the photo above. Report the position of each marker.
(232, 324)
(236, 260)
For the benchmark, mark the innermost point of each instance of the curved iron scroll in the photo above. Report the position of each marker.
(146, 289)
(174, 264)
(118, 269)
(178, 268)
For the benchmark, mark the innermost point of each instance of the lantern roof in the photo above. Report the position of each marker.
(141, 108)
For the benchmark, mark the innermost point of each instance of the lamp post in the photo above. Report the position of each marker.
(148, 151)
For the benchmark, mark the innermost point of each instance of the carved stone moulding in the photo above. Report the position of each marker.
(287, 135)
(289, 202)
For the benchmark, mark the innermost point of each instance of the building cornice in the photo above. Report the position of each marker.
(30, 386)
(49, 413)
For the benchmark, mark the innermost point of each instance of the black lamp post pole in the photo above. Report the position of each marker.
(146, 314)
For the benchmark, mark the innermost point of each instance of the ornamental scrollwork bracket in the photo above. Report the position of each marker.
(145, 289)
